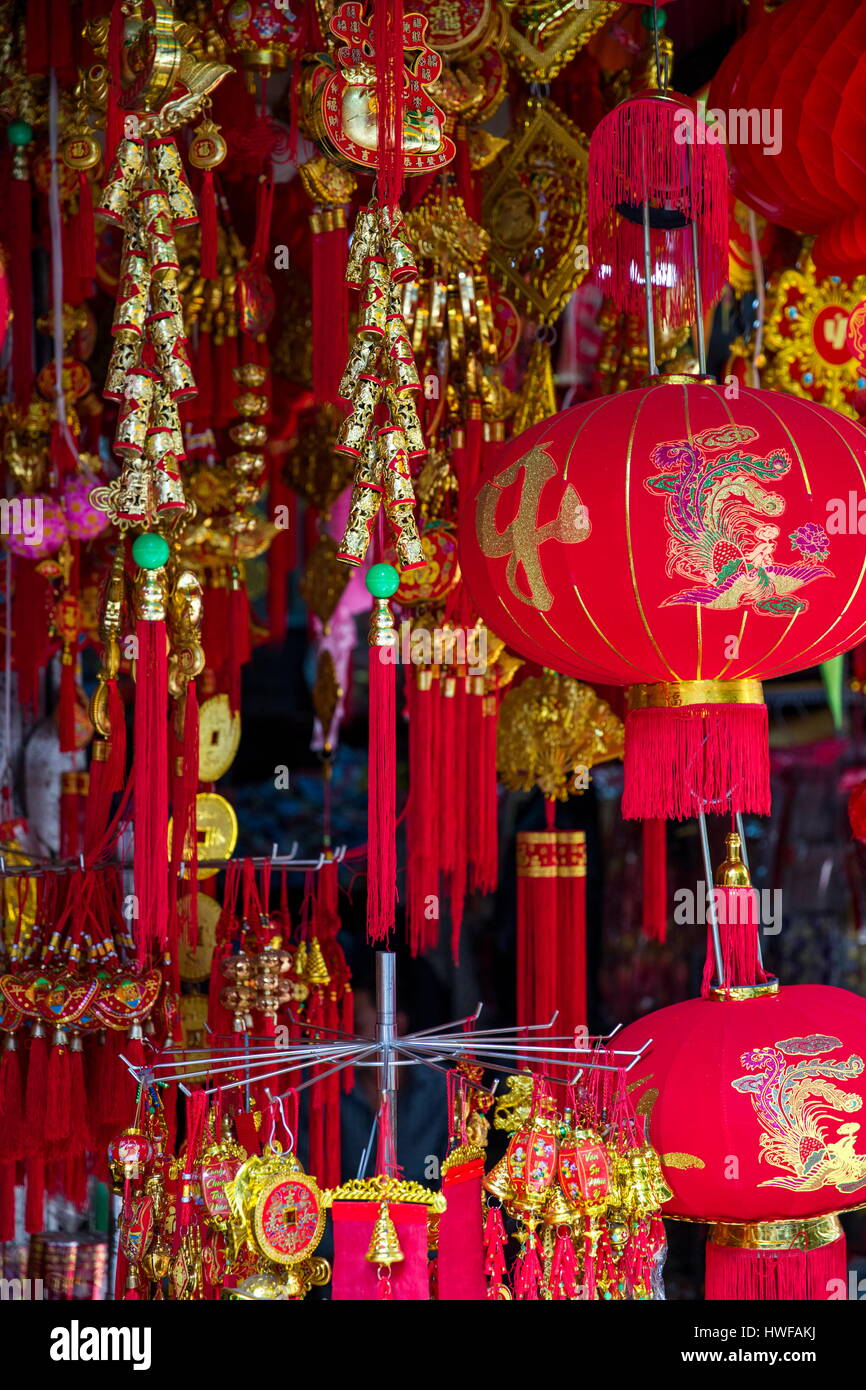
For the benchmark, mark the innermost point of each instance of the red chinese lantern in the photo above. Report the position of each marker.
(673, 540)
(802, 61)
(754, 1107)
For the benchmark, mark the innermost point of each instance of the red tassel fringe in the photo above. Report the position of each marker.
(679, 762)
(771, 1275)
(634, 156)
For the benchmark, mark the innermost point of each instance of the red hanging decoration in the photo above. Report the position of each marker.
(638, 157)
(388, 48)
(151, 784)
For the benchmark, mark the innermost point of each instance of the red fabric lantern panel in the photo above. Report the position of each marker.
(756, 1105)
(671, 536)
(806, 61)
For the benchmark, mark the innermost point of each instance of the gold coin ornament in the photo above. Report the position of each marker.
(217, 827)
(195, 961)
(219, 738)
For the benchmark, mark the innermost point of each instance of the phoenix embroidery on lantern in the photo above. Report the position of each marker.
(721, 527)
(796, 1103)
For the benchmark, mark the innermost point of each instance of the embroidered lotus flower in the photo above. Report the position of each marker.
(811, 539)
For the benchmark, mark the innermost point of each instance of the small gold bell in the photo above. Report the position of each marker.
(384, 1245)
(498, 1183)
(317, 971)
(733, 872)
(557, 1212)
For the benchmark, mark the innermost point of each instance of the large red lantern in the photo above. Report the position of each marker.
(801, 67)
(686, 545)
(755, 1108)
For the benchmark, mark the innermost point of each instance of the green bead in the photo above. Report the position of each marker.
(150, 550)
(653, 19)
(382, 581)
(19, 133)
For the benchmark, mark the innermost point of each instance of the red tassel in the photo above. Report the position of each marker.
(35, 1094)
(184, 820)
(770, 1275)
(679, 762)
(11, 1101)
(7, 1201)
(388, 46)
(151, 786)
(423, 824)
(655, 880)
(528, 1270)
(21, 287)
(494, 1251)
(34, 1204)
(68, 702)
(739, 921)
(85, 229)
(564, 1283)
(114, 115)
(225, 386)
(330, 303)
(240, 649)
(30, 640)
(58, 1121)
(37, 30)
(207, 211)
(382, 797)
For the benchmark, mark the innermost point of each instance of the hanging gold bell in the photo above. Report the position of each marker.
(557, 1211)
(317, 970)
(385, 1244)
(498, 1183)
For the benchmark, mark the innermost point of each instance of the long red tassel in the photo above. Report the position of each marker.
(184, 819)
(86, 233)
(655, 880)
(422, 835)
(34, 1205)
(151, 785)
(21, 287)
(7, 1201)
(382, 797)
(330, 303)
(11, 1101)
(207, 210)
(114, 115)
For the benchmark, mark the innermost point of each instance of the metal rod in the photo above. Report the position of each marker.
(648, 291)
(744, 853)
(386, 1033)
(711, 899)
(259, 861)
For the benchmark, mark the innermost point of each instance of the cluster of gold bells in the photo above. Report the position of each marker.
(265, 981)
(149, 371)
(380, 373)
(567, 1179)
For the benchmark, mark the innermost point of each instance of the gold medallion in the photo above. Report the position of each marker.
(217, 827)
(195, 961)
(218, 739)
